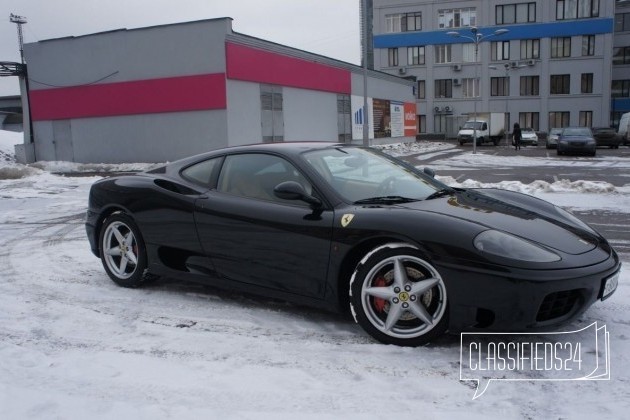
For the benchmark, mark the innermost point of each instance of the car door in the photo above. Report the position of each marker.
(256, 238)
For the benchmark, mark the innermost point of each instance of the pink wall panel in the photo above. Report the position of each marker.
(250, 64)
(174, 94)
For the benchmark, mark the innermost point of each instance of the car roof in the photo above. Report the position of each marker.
(284, 148)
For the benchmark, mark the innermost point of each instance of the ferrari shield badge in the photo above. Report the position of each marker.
(346, 219)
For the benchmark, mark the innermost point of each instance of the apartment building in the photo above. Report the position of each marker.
(543, 63)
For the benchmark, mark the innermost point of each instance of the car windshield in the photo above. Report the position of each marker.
(364, 175)
(527, 130)
(577, 131)
(471, 125)
(555, 131)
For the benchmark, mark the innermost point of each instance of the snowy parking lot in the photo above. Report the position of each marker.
(75, 346)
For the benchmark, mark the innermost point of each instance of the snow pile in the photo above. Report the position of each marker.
(470, 161)
(561, 186)
(412, 148)
(16, 171)
(8, 140)
(72, 167)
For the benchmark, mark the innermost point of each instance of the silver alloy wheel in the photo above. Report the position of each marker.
(414, 296)
(120, 250)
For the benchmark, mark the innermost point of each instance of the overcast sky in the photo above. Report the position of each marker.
(327, 27)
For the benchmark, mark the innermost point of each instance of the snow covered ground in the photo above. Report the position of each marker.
(75, 346)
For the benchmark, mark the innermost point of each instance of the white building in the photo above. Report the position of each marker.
(552, 68)
(161, 93)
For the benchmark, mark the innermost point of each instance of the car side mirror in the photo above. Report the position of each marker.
(429, 171)
(291, 190)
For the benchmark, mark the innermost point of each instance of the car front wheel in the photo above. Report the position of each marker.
(122, 250)
(398, 297)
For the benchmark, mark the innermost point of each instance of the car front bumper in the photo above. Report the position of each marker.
(523, 300)
(575, 147)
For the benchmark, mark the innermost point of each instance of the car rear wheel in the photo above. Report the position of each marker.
(398, 297)
(122, 250)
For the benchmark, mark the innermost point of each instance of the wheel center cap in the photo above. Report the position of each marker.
(403, 296)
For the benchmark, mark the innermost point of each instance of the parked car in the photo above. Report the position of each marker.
(624, 128)
(528, 137)
(552, 138)
(577, 140)
(606, 136)
(349, 228)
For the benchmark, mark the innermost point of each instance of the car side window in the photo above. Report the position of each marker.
(201, 172)
(255, 175)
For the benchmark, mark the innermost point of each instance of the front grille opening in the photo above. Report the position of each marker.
(558, 304)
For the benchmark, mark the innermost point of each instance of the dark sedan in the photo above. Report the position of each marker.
(577, 140)
(606, 137)
(343, 227)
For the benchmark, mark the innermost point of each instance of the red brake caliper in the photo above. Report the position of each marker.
(379, 304)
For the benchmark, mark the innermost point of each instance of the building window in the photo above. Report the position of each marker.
(422, 89)
(622, 22)
(530, 48)
(272, 117)
(586, 119)
(470, 88)
(515, 13)
(620, 89)
(403, 22)
(560, 84)
(500, 86)
(621, 55)
(588, 45)
(530, 85)
(444, 88)
(561, 47)
(576, 9)
(443, 53)
(422, 123)
(344, 120)
(457, 18)
(415, 55)
(468, 53)
(392, 57)
(500, 50)
(587, 83)
(529, 119)
(559, 119)
(440, 123)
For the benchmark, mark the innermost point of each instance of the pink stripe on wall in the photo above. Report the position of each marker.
(174, 94)
(250, 64)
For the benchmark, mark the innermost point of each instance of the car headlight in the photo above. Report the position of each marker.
(509, 246)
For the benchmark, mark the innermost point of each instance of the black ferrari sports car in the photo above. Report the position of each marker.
(338, 226)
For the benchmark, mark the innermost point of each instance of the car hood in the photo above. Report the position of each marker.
(518, 214)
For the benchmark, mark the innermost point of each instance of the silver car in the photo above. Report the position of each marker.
(552, 138)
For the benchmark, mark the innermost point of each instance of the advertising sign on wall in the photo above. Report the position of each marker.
(411, 119)
(389, 118)
(358, 115)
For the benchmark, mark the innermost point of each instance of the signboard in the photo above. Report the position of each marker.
(388, 118)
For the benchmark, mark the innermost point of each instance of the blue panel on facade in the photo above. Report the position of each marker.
(620, 105)
(528, 31)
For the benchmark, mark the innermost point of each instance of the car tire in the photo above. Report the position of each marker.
(398, 297)
(122, 250)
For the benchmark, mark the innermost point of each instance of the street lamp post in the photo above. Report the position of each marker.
(476, 38)
(507, 68)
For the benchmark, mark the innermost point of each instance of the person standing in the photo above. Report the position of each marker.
(516, 136)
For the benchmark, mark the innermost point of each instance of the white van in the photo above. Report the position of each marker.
(624, 128)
